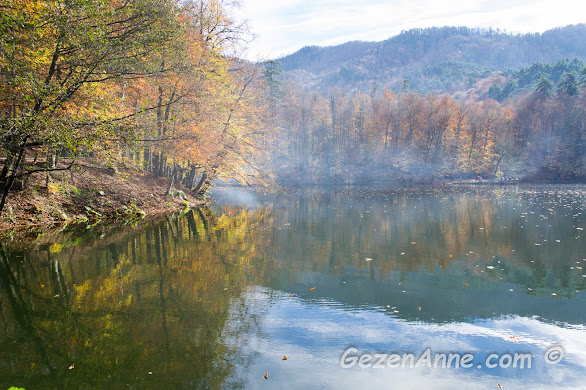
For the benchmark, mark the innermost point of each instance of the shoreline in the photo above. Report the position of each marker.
(92, 194)
(95, 194)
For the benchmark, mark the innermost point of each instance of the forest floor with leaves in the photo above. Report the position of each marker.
(90, 192)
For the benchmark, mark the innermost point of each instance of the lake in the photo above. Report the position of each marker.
(338, 288)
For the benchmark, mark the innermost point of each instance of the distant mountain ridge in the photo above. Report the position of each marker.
(439, 59)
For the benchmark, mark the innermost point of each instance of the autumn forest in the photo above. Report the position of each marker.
(151, 85)
(381, 134)
(160, 88)
(179, 209)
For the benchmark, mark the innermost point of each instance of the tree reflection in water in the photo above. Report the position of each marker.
(207, 298)
(146, 306)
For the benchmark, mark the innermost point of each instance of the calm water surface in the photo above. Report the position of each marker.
(215, 297)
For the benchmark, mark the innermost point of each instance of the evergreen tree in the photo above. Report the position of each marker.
(406, 86)
(583, 79)
(544, 88)
(568, 85)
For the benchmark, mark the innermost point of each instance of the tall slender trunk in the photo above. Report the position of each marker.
(173, 173)
(11, 176)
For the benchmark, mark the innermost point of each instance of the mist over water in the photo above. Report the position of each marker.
(236, 196)
(216, 297)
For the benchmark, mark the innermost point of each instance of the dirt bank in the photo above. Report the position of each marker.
(92, 192)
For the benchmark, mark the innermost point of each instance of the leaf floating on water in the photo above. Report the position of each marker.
(489, 267)
(290, 295)
(266, 376)
(466, 284)
(312, 289)
(284, 357)
(419, 308)
(413, 242)
(368, 259)
(499, 385)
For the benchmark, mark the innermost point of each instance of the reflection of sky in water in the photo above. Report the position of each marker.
(313, 334)
(487, 265)
(201, 299)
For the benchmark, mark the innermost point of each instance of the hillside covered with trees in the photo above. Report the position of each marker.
(437, 59)
(155, 91)
(381, 136)
(432, 104)
(132, 87)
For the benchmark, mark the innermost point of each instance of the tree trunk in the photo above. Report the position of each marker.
(11, 176)
(147, 159)
(204, 183)
(200, 184)
(173, 173)
(193, 180)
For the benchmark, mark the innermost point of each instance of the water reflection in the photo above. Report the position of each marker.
(459, 251)
(215, 297)
(146, 306)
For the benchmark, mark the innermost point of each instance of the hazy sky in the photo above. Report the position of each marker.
(284, 26)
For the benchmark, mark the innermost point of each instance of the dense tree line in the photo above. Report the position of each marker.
(382, 135)
(153, 85)
(158, 86)
(520, 82)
